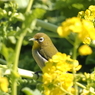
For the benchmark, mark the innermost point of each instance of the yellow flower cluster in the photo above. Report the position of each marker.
(4, 84)
(90, 86)
(89, 14)
(85, 50)
(87, 40)
(83, 28)
(56, 79)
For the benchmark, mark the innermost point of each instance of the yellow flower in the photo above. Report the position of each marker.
(55, 76)
(81, 14)
(83, 28)
(64, 81)
(88, 30)
(67, 81)
(63, 32)
(4, 84)
(74, 24)
(55, 91)
(76, 65)
(85, 50)
(89, 14)
(71, 24)
(87, 40)
(92, 8)
(83, 25)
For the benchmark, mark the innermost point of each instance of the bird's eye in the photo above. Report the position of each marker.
(41, 39)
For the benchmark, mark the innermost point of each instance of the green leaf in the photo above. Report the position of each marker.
(8, 53)
(78, 6)
(36, 13)
(28, 91)
(12, 39)
(90, 59)
(19, 16)
(3, 13)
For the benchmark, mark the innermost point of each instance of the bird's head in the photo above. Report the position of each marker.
(40, 40)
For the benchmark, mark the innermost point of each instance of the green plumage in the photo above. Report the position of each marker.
(43, 49)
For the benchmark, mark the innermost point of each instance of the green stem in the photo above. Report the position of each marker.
(80, 85)
(71, 42)
(75, 85)
(17, 53)
(29, 5)
(15, 66)
(66, 91)
(75, 50)
(47, 26)
(76, 45)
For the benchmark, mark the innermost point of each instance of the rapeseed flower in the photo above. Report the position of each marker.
(83, 28)
(85, 50)
(56, 79)
(83, 25)
(89, 14)
(4, 84)
(87, 40)
(71, 24)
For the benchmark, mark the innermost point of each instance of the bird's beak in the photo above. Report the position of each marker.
(32, 39)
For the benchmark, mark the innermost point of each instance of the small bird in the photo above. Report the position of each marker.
(43, 49)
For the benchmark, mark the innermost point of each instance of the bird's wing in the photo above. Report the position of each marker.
(44, 54)
(38, 58)
(47, 54)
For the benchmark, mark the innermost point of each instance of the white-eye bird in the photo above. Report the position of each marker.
(43, 49)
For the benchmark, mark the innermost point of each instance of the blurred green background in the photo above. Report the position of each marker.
(52, 11)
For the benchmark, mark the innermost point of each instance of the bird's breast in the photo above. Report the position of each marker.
(38, 58)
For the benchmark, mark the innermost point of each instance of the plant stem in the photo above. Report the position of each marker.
(15, 66)
(71, 42)
(80, 85)
(75, 85)
(17, 53)
(67, 92)
(29, 5)
(75, 50)
(76, 44)
(47, 26)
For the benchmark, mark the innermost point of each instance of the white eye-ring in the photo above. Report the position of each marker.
(41, 39)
